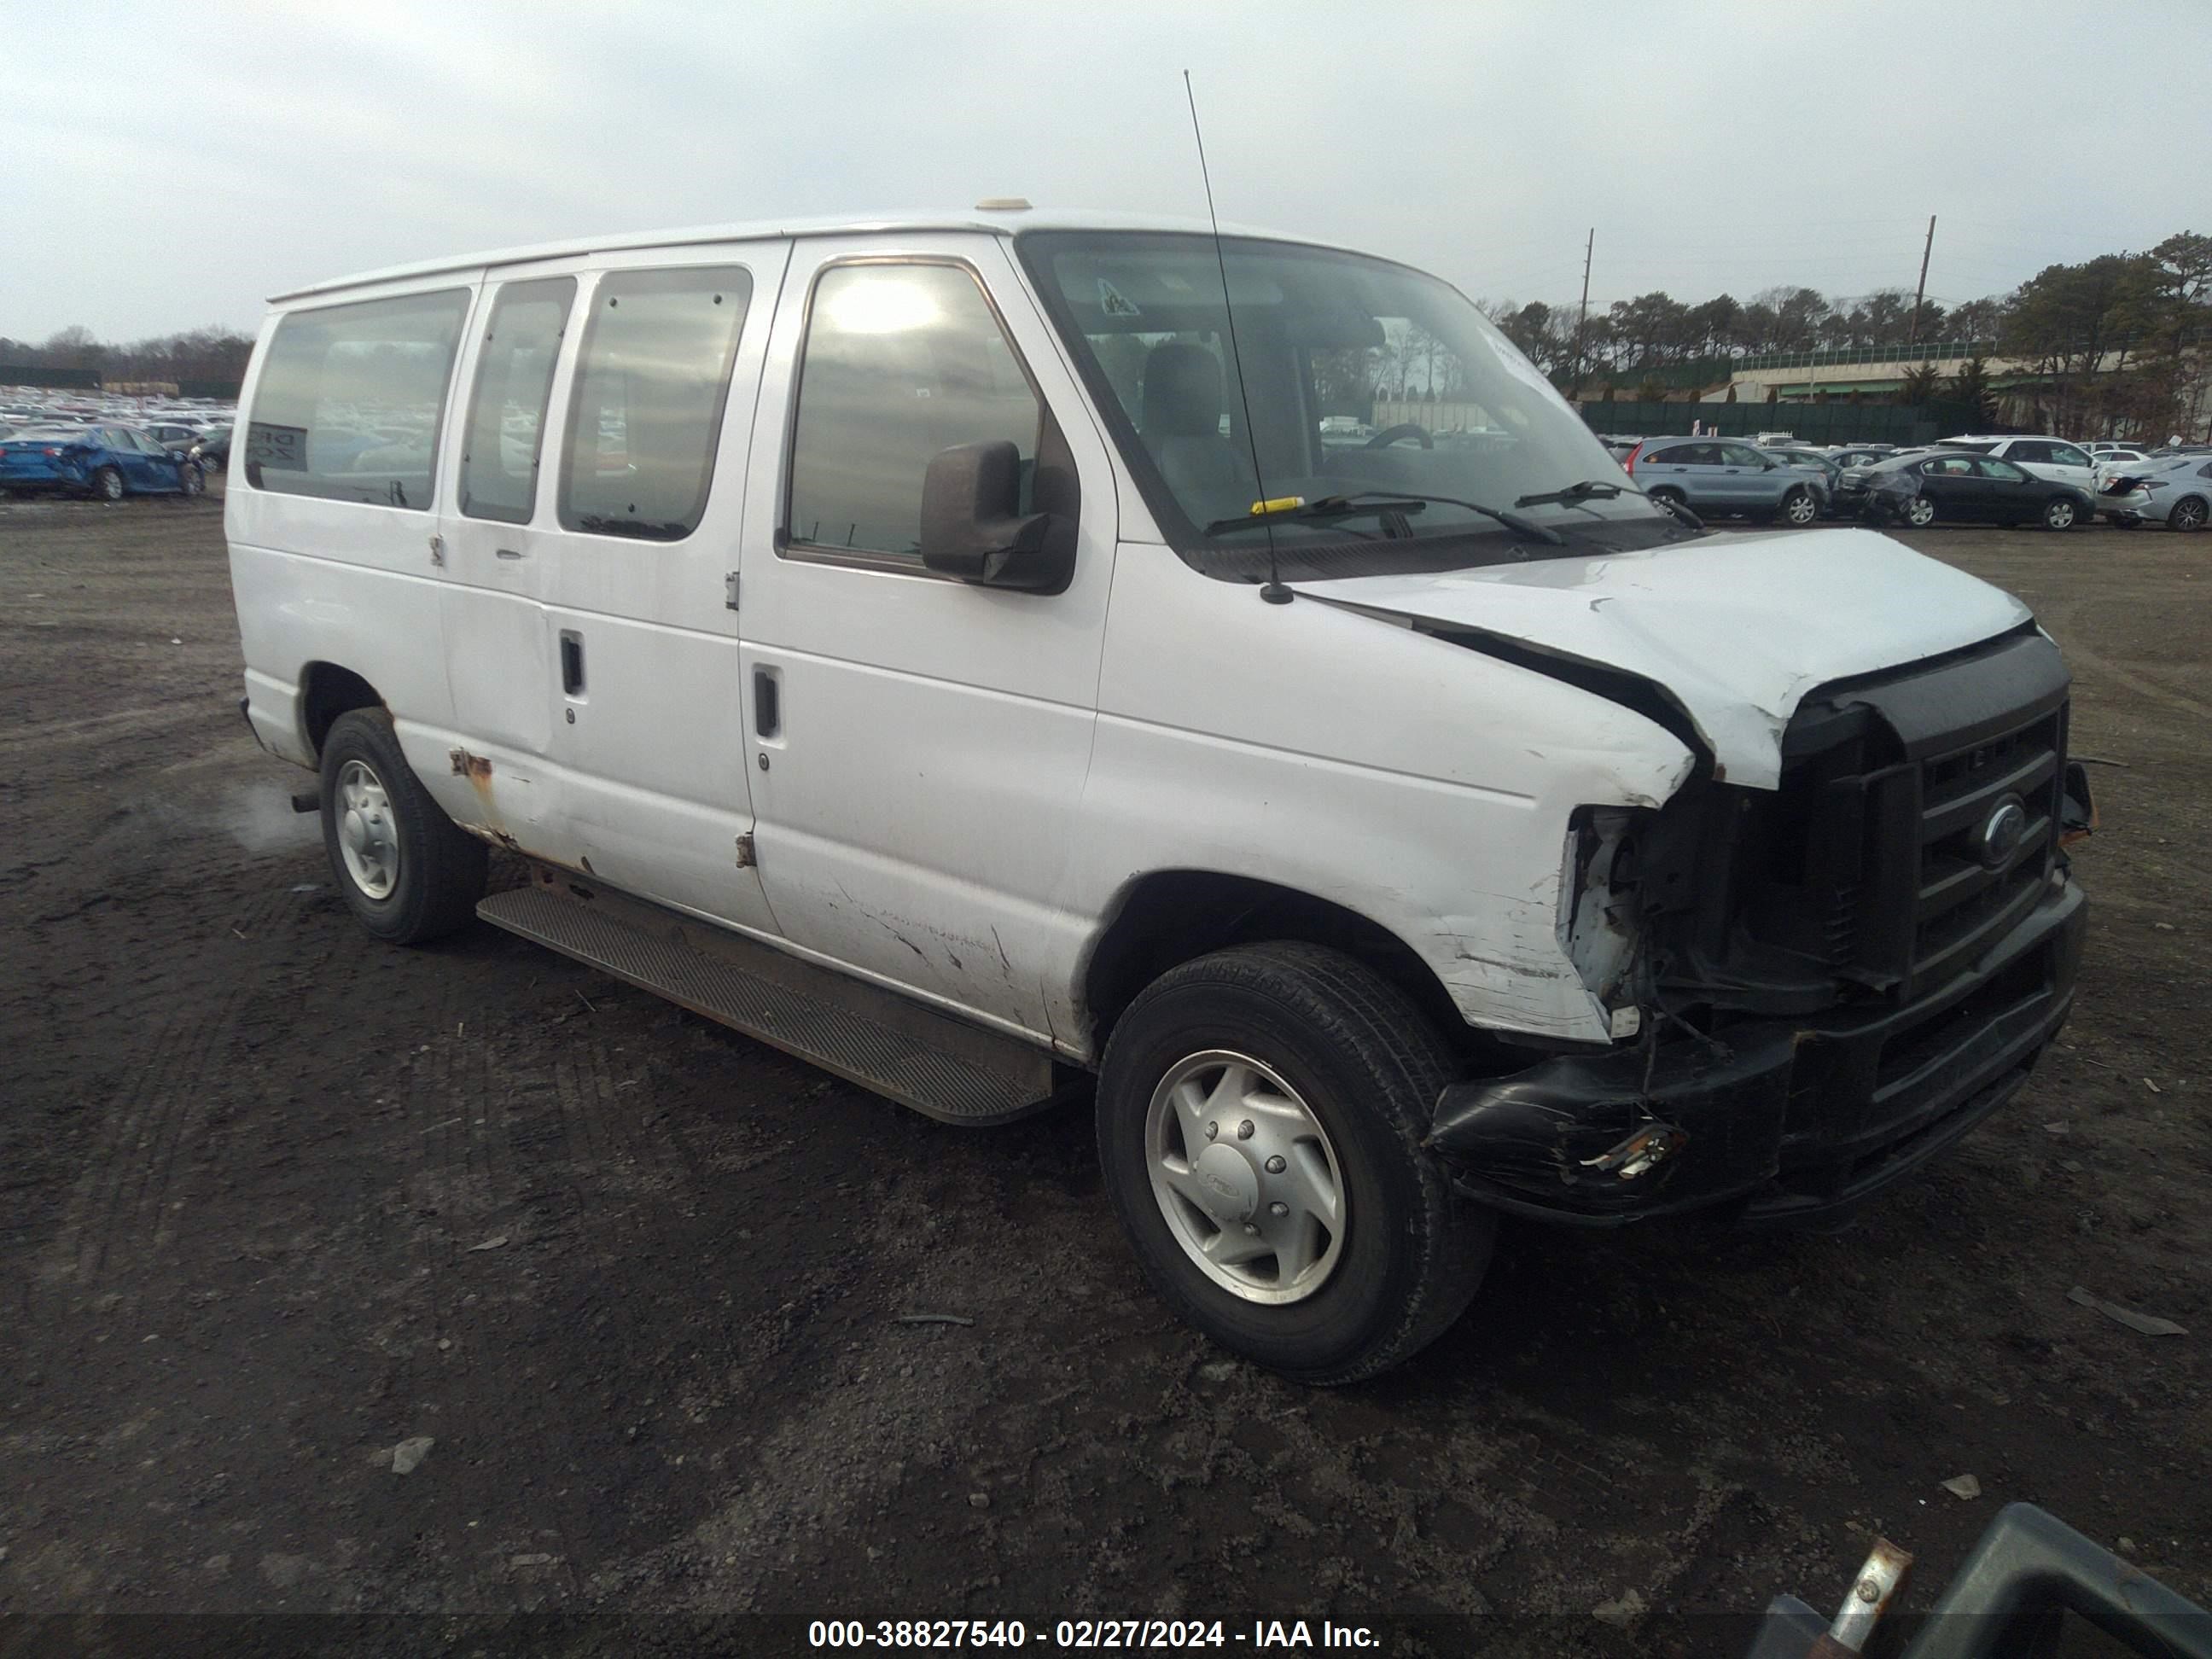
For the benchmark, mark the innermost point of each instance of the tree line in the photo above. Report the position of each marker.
(2123, 338)
(199, 354)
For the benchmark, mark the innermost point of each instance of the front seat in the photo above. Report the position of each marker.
(1210, 474)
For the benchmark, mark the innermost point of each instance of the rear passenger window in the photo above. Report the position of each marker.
(506, 411)
(901, 360)
(646, 412)
(350, 399)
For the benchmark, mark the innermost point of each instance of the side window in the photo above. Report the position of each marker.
(150, 446)
(2067, 455)
(1993, 468)
(647, 411)
(350, 399)
(2034, 452)
(900, 360)
(507, 410)
(1737, 455)
(1699, 455)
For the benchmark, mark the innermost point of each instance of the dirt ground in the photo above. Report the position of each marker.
(278, 1200)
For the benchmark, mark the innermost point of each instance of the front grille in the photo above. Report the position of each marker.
(1963, 903)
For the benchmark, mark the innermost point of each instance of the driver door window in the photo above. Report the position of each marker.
(900, 360)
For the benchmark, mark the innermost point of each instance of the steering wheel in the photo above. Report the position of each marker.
(1390, 435)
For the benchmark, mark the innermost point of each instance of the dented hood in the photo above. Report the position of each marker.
(1737, 628)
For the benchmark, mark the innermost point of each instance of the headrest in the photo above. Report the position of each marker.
(1183, 392)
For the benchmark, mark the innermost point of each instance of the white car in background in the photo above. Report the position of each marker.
(2046, 458)
(2114, 459)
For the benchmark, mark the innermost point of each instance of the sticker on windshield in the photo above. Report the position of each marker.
(1114, 302)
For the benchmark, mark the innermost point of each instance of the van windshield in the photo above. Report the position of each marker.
(1363, 379)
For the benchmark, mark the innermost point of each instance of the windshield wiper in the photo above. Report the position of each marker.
(1384, 502)
(1588, 490)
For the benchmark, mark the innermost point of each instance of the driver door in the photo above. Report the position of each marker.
(919, 744)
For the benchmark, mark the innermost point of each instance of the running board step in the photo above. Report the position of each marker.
(942, 1066)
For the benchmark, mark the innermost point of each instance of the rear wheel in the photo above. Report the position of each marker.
(409, 873)
(2188, 514)
(1799, 508)
(1261, 1113)
(2059, 514)
(1920, 512)
(107, 485)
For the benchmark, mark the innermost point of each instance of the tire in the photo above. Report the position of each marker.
(2187, 515)
(1919, 513)
(1799, 508)
(193, 480)
(107, 485)
(433, 871)
(1666, 494)
(2060, 514)
(1348, 1049)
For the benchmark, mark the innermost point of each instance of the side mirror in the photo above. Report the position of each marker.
(972, 526)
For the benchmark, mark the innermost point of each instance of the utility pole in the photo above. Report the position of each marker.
(1927, 249)
(1582, 322)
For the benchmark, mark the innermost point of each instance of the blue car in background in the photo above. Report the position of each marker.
(104, 461)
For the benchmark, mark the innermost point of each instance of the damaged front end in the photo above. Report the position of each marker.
(1815, 987)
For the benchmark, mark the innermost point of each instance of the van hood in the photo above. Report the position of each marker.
(1737, 629)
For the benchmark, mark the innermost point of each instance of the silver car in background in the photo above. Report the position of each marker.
(1713, 476)
(2174, 490)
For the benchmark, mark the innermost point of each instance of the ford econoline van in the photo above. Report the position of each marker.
(956, 650)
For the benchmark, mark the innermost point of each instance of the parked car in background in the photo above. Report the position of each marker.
(2046, 458)
(2174, 490)
(175, 436)
(212, 451)
(1861, 454)
(1957, 485)
(1818, 463)
(105, 462)
(2111, 463)
(1712, 476)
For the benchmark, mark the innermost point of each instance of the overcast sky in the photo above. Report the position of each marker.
(168, 164)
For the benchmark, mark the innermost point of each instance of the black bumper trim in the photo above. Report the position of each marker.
(1787, 1122)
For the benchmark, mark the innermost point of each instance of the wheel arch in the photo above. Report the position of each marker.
(328, 690)
(1167, 917)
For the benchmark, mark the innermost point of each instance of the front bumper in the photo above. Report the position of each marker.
(1783, 1121)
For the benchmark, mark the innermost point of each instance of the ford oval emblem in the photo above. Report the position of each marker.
(1999, 838)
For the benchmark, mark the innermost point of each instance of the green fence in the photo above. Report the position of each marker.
(1812, 423)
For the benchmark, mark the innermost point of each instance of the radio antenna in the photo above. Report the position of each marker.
(1274, 592)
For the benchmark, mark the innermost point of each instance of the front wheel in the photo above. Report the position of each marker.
(1920, 512)
(409, 873)
(192, 480)
(1261, 1113)
(2059, 514)
(1800, 508)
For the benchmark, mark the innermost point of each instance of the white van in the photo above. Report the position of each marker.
(947, 650)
